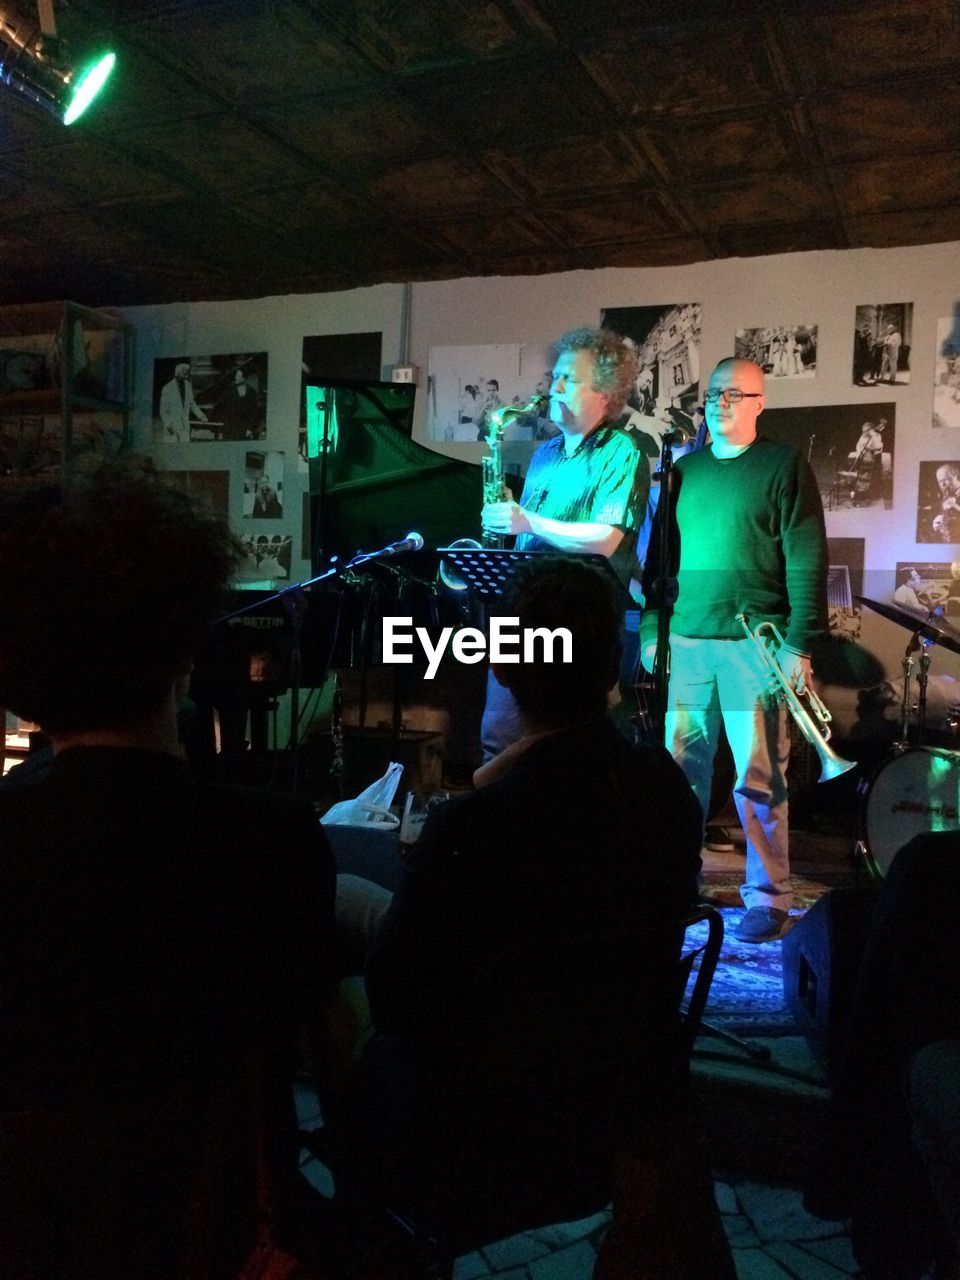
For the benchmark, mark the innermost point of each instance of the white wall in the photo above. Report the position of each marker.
(823, 288)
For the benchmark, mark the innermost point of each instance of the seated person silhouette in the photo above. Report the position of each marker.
(520, 985)
(892, 1151)
(162, 938)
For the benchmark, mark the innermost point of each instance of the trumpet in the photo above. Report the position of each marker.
(813, 720)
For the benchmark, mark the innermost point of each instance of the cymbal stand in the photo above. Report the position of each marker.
(913, 646)
(922, 678)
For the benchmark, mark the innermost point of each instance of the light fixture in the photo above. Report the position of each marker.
(35, 62)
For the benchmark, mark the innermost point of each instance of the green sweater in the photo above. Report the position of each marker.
(750, 536)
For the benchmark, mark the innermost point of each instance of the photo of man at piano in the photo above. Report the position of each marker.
(586, 489)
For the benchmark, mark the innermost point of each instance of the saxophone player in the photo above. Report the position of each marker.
(586, 488)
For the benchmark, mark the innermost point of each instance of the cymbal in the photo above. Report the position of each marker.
(936, 630)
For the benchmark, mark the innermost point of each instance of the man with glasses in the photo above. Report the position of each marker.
(747, 536)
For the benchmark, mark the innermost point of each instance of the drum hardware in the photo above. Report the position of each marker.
(927, 630)
(915, 790)
(812, 719)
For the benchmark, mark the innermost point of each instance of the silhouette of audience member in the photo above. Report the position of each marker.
(519, 984)
(890, 1161)
(163, 939)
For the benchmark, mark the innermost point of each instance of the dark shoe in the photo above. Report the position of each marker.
(762, 924)
(717, 839)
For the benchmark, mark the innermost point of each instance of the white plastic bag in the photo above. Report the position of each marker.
(371, 808)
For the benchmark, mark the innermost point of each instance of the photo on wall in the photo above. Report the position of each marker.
(266, 557)
(938, 502)
(924, 585)
(209, 399)
(667, 388)
(845, 558)
(263, 486)
(849, 446)
(882, 342)
(946, 373)
(467, 385)
(781, 351)
(210, 488)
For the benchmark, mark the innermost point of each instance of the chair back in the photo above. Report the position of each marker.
(703, 947)
(507, 1200)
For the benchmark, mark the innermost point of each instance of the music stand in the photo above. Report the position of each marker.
(486, 570)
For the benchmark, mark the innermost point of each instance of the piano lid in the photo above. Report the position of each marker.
(370, 483)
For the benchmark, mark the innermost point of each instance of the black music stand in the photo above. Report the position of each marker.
(485, 571)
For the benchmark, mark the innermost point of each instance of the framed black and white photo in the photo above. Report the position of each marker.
(266, 557)
(849, 446)
(938, 502)
(882, 343)
(844, 584)
(263, 486)
(781, 351)
(667, 343)
(924, 585)
(946, 374)
(204, 399)
(467, 385)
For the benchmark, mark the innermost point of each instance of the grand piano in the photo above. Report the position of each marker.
(370, 484)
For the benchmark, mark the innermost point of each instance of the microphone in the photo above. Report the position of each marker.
(412, 542)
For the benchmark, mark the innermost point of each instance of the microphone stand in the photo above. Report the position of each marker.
(294, 601)
(665, 583)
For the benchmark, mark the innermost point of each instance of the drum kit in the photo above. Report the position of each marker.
(917, 788)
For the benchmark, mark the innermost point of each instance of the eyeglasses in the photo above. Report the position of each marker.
(732, 395)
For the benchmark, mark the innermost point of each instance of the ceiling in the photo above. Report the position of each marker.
(251, 147)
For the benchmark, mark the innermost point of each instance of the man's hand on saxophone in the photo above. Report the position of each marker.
(505, 517)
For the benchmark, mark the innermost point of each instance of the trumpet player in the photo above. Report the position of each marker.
(747, 537)
(586, 488)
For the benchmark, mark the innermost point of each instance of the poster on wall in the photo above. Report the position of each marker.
(938, 502)
(946, 373)
(845, 558)
(849, 446)
(667, 389)
(210, 488)
(466, 385)
(781, 351)
(924, 585)
(266, 557)
(263, 486)
(882, 342)
(204, 399)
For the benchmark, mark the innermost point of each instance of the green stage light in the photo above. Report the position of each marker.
(89, 83)
(36, 63)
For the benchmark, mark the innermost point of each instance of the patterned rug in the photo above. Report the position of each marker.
(746, 996)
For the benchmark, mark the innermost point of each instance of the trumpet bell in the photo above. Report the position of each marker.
(831, 765)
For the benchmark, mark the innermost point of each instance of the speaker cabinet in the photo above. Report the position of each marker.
(821, 961)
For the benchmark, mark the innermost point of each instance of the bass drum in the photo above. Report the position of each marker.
(911, 793)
